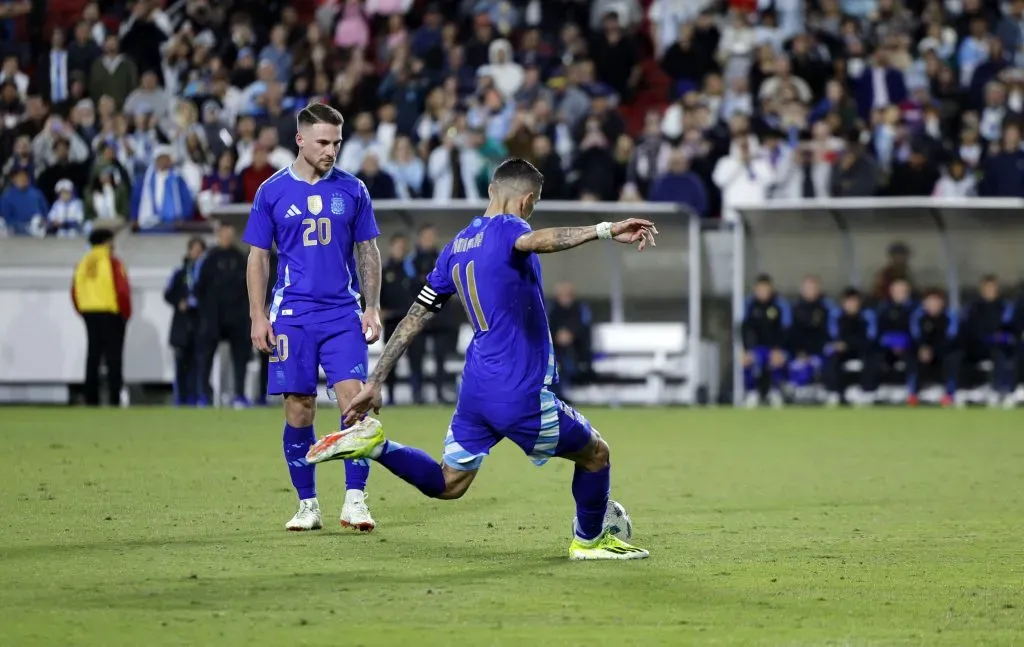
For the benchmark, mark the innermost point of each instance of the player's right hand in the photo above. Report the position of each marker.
(635, 230)
(263, 335)
(368, 398)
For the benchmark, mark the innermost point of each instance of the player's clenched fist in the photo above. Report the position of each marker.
(635, 230)
(263, 335)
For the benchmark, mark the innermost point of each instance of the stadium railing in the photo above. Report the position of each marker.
(843, 241)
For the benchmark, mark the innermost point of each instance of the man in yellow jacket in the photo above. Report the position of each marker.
(102, 296)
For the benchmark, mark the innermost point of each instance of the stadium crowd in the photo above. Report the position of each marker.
(856, 344)
(153, 114)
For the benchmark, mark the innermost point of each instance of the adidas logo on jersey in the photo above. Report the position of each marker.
(293, 211)
(358, 370)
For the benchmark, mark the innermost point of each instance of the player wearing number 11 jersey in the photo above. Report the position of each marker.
(493, 266)
(322, 222)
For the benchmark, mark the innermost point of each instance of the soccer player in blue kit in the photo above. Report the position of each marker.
(317, 216)
(493, 266)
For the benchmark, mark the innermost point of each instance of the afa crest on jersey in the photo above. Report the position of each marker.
(315, 204)
(337, 204)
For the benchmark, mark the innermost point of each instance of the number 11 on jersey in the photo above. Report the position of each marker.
(472, 303)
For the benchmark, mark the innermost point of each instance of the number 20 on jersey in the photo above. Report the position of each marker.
(316, 231)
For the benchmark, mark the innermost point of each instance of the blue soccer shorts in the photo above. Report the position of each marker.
(541, 425)
(339, 346)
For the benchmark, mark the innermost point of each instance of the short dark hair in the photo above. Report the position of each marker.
(318, 113)
(990, 278)
(520, 174)
(100, 237)
(425, 227)
(398, 235)
(763, 278)
(851, 293)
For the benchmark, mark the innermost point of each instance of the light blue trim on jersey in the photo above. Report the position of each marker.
(458, 458)
(280, 173)
(549, 375)
(279, 294)
(355, 295)
(547, 438)
(295, 177)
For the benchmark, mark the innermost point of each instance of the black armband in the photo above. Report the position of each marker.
(431, 300)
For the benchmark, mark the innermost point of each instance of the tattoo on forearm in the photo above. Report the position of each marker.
(407, 330)
(368, 265)
(557, 239)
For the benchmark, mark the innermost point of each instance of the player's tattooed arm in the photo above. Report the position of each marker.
(368, 266)
(555, 239)
(410, 326)
(632, 231)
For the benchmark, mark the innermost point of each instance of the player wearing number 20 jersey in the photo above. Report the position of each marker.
(321, 220)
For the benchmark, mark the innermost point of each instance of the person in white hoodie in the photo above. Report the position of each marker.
(67, 215)
(507, 74)
(744, 177)
(956, 182)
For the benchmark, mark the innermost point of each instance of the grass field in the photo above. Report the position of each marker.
(164, 527)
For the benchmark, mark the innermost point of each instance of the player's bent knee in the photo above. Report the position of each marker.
(456, 483)
(597, 455)
(299, 409)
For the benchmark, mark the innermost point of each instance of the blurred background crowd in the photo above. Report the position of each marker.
(155, 113)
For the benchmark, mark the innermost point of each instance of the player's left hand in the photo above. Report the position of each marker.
(371, 325)
(368, 398)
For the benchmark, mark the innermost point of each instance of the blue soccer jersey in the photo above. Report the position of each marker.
(315, 227)
(511, 353)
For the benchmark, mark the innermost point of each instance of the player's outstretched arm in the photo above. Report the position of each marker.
(557, 239)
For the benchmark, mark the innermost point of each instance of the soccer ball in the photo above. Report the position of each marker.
(616, 519)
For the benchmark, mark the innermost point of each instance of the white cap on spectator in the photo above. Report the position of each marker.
(65, 185)
(162, 151)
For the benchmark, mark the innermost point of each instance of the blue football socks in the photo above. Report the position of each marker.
(590, 490)
(414, 466)
(297, 441)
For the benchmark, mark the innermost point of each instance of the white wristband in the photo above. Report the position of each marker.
(604, 230)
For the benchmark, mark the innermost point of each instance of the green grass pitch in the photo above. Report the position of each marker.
(165, 527)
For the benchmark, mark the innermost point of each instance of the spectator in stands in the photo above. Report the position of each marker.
(571, 325)
(358, 144)
(936, 354)
(917, 176)
(895, 339)
(743, 177)
(956, 182)
(221, 187)
(21, 157)
(256, 174)
(548, 163)
(407, 170)
(162, 199)
(223, 306)
(767, 320)
(680, 185)
(855, 174)
(1003, 171)
(67, 215)
(507, 74)
(62, 168)
(809, 333)
(44, 150)
(107, 198)
(879, 85)
(23, 208)
(852, 336)
(180, 295)
(379, 183)
(102, 296)
(148, 98)
(453, 168)
(987, 337)
(113, 74)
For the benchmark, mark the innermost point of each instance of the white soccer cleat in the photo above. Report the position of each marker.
(752, 400)
(355, 514)
(833, 400)
(775, 399)
(307, 517)
(358, 441)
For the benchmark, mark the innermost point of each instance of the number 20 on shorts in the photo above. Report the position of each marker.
(280, 354)
(317, 231)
